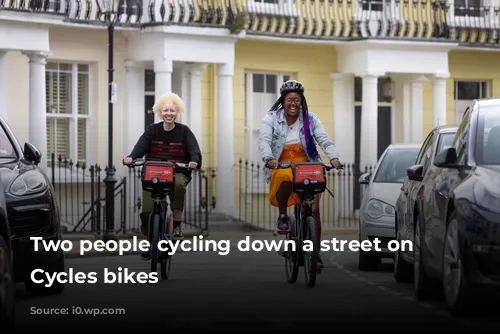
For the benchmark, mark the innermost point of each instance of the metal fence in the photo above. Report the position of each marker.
(338, 209)
(80, 192)
(427, 20)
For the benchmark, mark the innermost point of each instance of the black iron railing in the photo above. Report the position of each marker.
(79, 191)
(339, 205)
(429, 20)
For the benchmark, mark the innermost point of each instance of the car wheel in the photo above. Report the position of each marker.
(40, 289)
(403, 271)
(456, 291)
(421, 281)
(7, 287)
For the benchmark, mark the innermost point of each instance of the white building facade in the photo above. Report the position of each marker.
(54, 83)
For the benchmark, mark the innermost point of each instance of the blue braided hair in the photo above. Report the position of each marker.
(310, 144)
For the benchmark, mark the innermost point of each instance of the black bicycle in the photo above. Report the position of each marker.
(309, 179)
(158, 178)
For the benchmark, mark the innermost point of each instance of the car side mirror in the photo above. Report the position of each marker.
(32, 154)
(364, 178)
(415, 172)
(447, 158)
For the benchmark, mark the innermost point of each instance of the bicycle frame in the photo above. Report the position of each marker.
(309, 182)
(158, 178)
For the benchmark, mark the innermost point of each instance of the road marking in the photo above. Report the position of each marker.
(397, 294)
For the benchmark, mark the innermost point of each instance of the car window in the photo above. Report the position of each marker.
(423, 150)
(489, 130)
(445, 141)
(394, 164)
(6, 148)
(461, 139)
(426, 153)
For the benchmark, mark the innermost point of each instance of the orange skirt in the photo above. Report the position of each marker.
(294, 154)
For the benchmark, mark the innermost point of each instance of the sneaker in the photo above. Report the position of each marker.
(146, 256)
(283, 224)
(177, 233)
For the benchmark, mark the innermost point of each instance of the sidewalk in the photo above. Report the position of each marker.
(219, 230)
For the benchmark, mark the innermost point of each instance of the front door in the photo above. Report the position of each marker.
(149, 117)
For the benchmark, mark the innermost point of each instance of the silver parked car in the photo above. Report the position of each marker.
(377, 214)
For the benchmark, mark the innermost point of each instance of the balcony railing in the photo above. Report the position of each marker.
(436, 20)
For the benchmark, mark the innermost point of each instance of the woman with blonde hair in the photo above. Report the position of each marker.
(171, 141)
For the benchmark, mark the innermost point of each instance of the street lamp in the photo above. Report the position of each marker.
(109, 14)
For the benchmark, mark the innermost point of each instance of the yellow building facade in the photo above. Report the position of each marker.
(375, 72)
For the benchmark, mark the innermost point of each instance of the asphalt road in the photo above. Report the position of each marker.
(241, 291)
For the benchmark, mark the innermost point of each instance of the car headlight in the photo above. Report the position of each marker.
(28, 183)
(485, 198)
(378, 209)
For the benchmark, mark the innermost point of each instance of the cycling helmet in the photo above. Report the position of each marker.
(291, 86)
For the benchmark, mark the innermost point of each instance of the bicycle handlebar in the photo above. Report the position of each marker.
(140, 162)
(286, 164)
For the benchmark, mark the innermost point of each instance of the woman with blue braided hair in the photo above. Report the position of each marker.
(289, 132)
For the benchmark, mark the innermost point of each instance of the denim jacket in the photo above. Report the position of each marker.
(274, 130)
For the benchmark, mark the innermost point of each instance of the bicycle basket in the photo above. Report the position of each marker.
(158, 175)
(309, 177)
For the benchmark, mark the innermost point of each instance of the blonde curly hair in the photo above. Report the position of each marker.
(169, 98)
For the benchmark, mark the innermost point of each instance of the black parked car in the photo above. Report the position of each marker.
(457, 225)
(32, 212)
(439, 138)
(7, 283)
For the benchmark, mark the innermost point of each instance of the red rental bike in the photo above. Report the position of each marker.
(309, 179)
(158, 178)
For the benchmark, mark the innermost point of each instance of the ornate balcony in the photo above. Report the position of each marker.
(424, 20)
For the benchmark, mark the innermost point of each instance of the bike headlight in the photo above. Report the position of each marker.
(28, 183)
(378, 209)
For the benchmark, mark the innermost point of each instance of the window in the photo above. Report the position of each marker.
(445, 141)
(7, 151)
(273, 7)
(373, 5)
(472, 8)
(467, 91)
(488, 137)
(68, 110)
(462, 135)
(262, 90)
(425, 153)
(394, 165)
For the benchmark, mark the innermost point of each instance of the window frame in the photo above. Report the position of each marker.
(286, 8)
(255, 182)
(484, 92)
(74, 116)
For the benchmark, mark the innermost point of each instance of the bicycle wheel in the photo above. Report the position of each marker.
(292, 257)
(166, 259)
(310, 257)
(154, 230)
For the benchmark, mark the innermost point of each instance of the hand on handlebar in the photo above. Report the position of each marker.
(272, 163)
(336, 163)
(127, 160)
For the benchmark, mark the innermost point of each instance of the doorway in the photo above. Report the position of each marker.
(149, 117)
